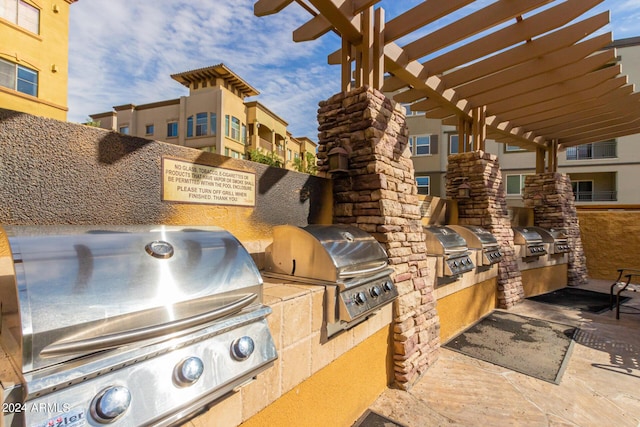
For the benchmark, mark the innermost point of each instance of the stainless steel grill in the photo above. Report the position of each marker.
(451, 251)
(529, 242)
(127, 326)
(556, 240)
(351, 265)
(484, 243)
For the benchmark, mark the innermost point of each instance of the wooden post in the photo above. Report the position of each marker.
(462, 127)
(378, 49)
(540, 157)
(346, 65)
(367, 30)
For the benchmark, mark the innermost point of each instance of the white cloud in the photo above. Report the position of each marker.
(125, 51)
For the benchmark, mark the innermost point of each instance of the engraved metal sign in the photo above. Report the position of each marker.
(188, 182)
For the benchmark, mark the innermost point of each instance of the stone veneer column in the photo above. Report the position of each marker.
(379, 195)
(487, 207)
(551, 197)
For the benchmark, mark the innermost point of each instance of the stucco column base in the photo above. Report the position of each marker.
(486, 207)
(379, 195)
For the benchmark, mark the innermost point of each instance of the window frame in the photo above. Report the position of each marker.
(20, 18)
(520, 184)
(19, 82)
(201, 124)
(417, 145)
(427, 185)
(170, 126)
(149, 129)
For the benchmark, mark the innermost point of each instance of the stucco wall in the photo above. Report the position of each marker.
(53, 172)
(611, 240)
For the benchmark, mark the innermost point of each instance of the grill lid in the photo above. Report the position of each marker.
(324, 252)
(476, 237)
(70, 291)
(443, 240)
(526, 236)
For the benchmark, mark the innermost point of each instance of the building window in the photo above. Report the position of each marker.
(201, 124)
(599, 150)
(148, 130)
(425, 144)
(582, 190)
(407, 107)
(515, 184)
(508, 148)
(423, 185)
(189, 126)
(289, 154)
(172, 129)
(453, 144)
(213, 120)
(124, 130)
(244, 134)
(226, 125)
(22, 14)
(18, 78)
(235, 128)
(226, 151)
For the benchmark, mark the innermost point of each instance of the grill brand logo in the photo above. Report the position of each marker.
(69, 419)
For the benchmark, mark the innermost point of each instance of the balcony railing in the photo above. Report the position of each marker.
(596, 196)
(600, 150)
(266, 144)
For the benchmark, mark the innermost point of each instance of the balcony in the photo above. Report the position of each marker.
(600, 150)
(266, 145)
(596, 196)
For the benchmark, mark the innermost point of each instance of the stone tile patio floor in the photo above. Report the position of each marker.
(600, 386)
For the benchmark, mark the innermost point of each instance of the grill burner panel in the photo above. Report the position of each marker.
(446, 244)
(557, 240)
(348, 262)
(99, 321)
(530, 241)
(481, 240)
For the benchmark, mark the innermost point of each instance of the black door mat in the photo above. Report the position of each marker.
(373, 419)
(581, 299)
(533, 347)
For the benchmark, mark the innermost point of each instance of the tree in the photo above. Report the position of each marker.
(92, 123)
(306, 164)
(271, 159)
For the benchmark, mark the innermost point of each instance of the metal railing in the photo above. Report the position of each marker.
(596, 196)
(600, 150)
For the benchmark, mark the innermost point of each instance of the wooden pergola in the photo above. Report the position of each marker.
(528, 72)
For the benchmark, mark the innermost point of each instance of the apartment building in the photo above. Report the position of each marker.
(605, 172)
(34, 53)
(214, 117)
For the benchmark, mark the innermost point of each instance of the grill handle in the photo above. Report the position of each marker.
(105, 342)
(363, 271)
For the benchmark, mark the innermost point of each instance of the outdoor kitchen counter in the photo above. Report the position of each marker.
(295, 324)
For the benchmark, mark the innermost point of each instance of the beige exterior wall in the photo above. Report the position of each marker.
(222, 100)
(46, 53)
(613, 178)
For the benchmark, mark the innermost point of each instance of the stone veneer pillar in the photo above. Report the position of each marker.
(551, 197)
(379, 195)
(487, 207)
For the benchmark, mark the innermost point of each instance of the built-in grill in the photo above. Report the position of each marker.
(450, 249)
(529, 242)
(482, 241)
(126, 326)
(351, 265)
(556, 240)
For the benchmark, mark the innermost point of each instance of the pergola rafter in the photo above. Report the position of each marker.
(529, 73)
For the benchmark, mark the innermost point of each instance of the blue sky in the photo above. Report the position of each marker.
(123, 51)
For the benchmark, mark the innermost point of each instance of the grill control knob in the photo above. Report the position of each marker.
(111, 403)
(388, 286)
(242, 348)
(375, 291)
(360, 298)
(189, 371)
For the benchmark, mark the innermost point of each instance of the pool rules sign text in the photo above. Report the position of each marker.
(195, 183)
